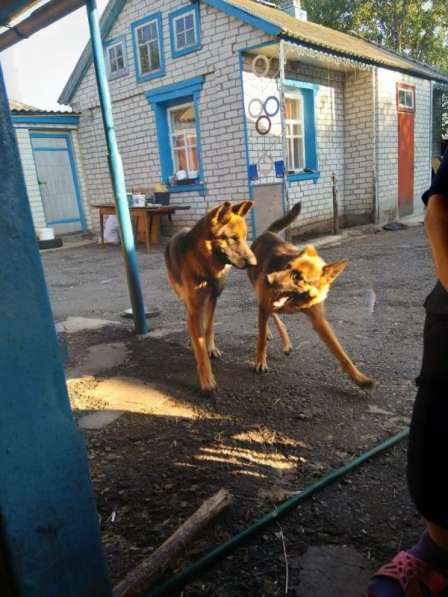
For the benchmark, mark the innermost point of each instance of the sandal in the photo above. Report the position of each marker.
(414, 575)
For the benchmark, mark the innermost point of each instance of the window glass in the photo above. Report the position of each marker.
(294, 132)
(148, 47)
(183, 137)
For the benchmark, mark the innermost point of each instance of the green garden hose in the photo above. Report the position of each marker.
(210, 558)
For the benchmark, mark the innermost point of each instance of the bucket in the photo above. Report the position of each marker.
(46, 233)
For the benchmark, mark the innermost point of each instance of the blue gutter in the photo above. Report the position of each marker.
(117, 172)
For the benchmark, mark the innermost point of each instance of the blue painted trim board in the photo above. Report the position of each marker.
(160, 100)
(195, 9)
(74, 170)
(244, 16)
(160, 72)
(308, 91)
(47, 119)
(119, 39)
(49, 526)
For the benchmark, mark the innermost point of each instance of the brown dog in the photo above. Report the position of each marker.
(291, 280)
(198, 261)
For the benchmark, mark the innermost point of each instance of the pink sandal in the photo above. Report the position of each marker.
(411, 574)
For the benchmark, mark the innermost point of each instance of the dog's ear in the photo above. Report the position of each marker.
(241, 209)
(221, 214)
(333, 270)
(309, 251)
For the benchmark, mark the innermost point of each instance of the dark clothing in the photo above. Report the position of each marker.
(439, 184)
(428, 440)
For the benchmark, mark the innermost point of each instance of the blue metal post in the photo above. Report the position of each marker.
(49, 535)
(116, 171)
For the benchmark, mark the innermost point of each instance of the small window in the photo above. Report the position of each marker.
(116, 58)
(406, 98)
(184, 30)
(148, 50)
(183, 140)
(295, 133)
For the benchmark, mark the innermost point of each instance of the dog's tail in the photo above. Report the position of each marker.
(286, 220)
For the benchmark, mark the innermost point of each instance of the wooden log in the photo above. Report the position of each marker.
(145, 574)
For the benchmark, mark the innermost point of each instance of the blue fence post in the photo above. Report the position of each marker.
(49, 534)
(116, 170)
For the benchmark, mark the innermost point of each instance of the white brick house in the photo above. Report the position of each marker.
(199, 91)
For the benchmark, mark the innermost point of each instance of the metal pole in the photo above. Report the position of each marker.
(335, 205)
(116, 171)
(282, 61)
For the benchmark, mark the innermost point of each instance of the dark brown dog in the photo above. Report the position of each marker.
(198, 261)
(287, 279)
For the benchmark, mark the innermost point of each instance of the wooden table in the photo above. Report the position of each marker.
(151, 217)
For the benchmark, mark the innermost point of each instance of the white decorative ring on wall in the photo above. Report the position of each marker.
(266, 64)
(263, 129)
(258, 105)
(275, 111)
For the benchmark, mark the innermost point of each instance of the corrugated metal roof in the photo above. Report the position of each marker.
(331, 40)
(20, 107)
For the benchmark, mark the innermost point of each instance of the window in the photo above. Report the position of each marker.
(116, 57)
(185, 30)
(301, 130)
(183, 140)
(405, 97)
(295, 132)
(148, 47)
(176, 109)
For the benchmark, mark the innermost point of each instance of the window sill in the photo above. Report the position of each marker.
(187, 188)
(183, 52)
(304, 176)
(149, 76)
(118, 74)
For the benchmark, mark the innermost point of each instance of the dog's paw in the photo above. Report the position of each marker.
(364, 382)
(287, 350)
(209, 392)
(214, 353)
(268, 335)
(261, 368)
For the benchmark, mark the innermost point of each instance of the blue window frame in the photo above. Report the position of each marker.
(300, 121)
(185, 30)
(176, 110)
(116, 57)
(147, 42)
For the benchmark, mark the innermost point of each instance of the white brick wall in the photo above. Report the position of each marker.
(30, 175)
(387, 150)
(220, 108)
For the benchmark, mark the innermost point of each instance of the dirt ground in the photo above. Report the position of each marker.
(262, 437)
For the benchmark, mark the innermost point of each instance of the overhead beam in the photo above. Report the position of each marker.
(39, 19)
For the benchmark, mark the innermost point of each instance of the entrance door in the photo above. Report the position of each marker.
(58, 182)
(406, 115)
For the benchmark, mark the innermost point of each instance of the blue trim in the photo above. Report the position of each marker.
(73, 168)
(308, 92)
(244, 16)
(175, 90)
(187, 188)
(47, 119)
(194, 8)
(156, 16)
(304, 176)
(66, 221)
(119, 39)
(160, 100)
